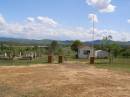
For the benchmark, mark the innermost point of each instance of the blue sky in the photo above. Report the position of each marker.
(70, 16)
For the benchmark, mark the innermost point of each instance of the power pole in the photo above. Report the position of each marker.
(92, 58)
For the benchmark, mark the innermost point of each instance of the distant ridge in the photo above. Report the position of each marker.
(31, 41)
(97, 42)
(48, 41)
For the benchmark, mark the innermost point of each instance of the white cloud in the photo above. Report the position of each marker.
(46, 20)
(108, 9)
(93, 17)
(30, 19)
(102, 5)
(128, 21)
(14, 28)
(34, 29)
(2, 21)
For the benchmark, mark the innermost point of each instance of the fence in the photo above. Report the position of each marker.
(62, 59)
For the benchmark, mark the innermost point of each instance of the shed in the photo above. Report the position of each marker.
(84, 52)
(101, 54)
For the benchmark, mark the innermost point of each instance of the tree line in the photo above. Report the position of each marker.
(71, 50)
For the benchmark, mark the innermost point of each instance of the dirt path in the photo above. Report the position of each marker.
(62, 81)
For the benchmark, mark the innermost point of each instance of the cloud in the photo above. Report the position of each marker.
(102, 5)
(128, 21)
(14, 28)
(30, 19)
(46, 20)
(48, 28)
(2, 21)
(93, 17)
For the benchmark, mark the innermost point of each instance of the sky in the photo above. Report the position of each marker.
(65, 19)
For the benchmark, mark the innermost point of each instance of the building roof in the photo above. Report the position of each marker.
(84, 46)
(101, 51)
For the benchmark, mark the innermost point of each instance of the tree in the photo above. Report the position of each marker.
(53, 46)
(60, 51)
(10, 52)
(1, 46)
(125, 52)
(107, 46)
(75, 46)
(115, 49)
(35, 51)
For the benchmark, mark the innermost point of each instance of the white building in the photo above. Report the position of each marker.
(85, 52)
(101, 54)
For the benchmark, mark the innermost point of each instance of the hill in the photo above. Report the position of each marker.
(18, 41)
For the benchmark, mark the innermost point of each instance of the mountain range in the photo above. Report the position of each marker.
(48, 41)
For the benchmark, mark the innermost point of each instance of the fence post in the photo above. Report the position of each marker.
(60, 59)
(50, 59)
(92, 60)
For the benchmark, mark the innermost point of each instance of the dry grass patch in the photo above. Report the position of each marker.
(66, 80)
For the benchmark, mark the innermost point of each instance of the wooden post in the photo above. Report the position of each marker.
(92, 60)
(60, 59)
(50, 59)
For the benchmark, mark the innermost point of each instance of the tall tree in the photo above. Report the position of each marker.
(115, 49)
(53, 47)
(75, 46)
(108, 45)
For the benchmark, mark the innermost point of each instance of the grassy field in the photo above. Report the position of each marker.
(41, 60)
(74, 78)
(122, 64)
(117, 64)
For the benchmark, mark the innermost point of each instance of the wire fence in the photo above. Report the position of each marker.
(43, 59)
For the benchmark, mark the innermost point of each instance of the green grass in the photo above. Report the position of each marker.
(41, 60)
(122, 64)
